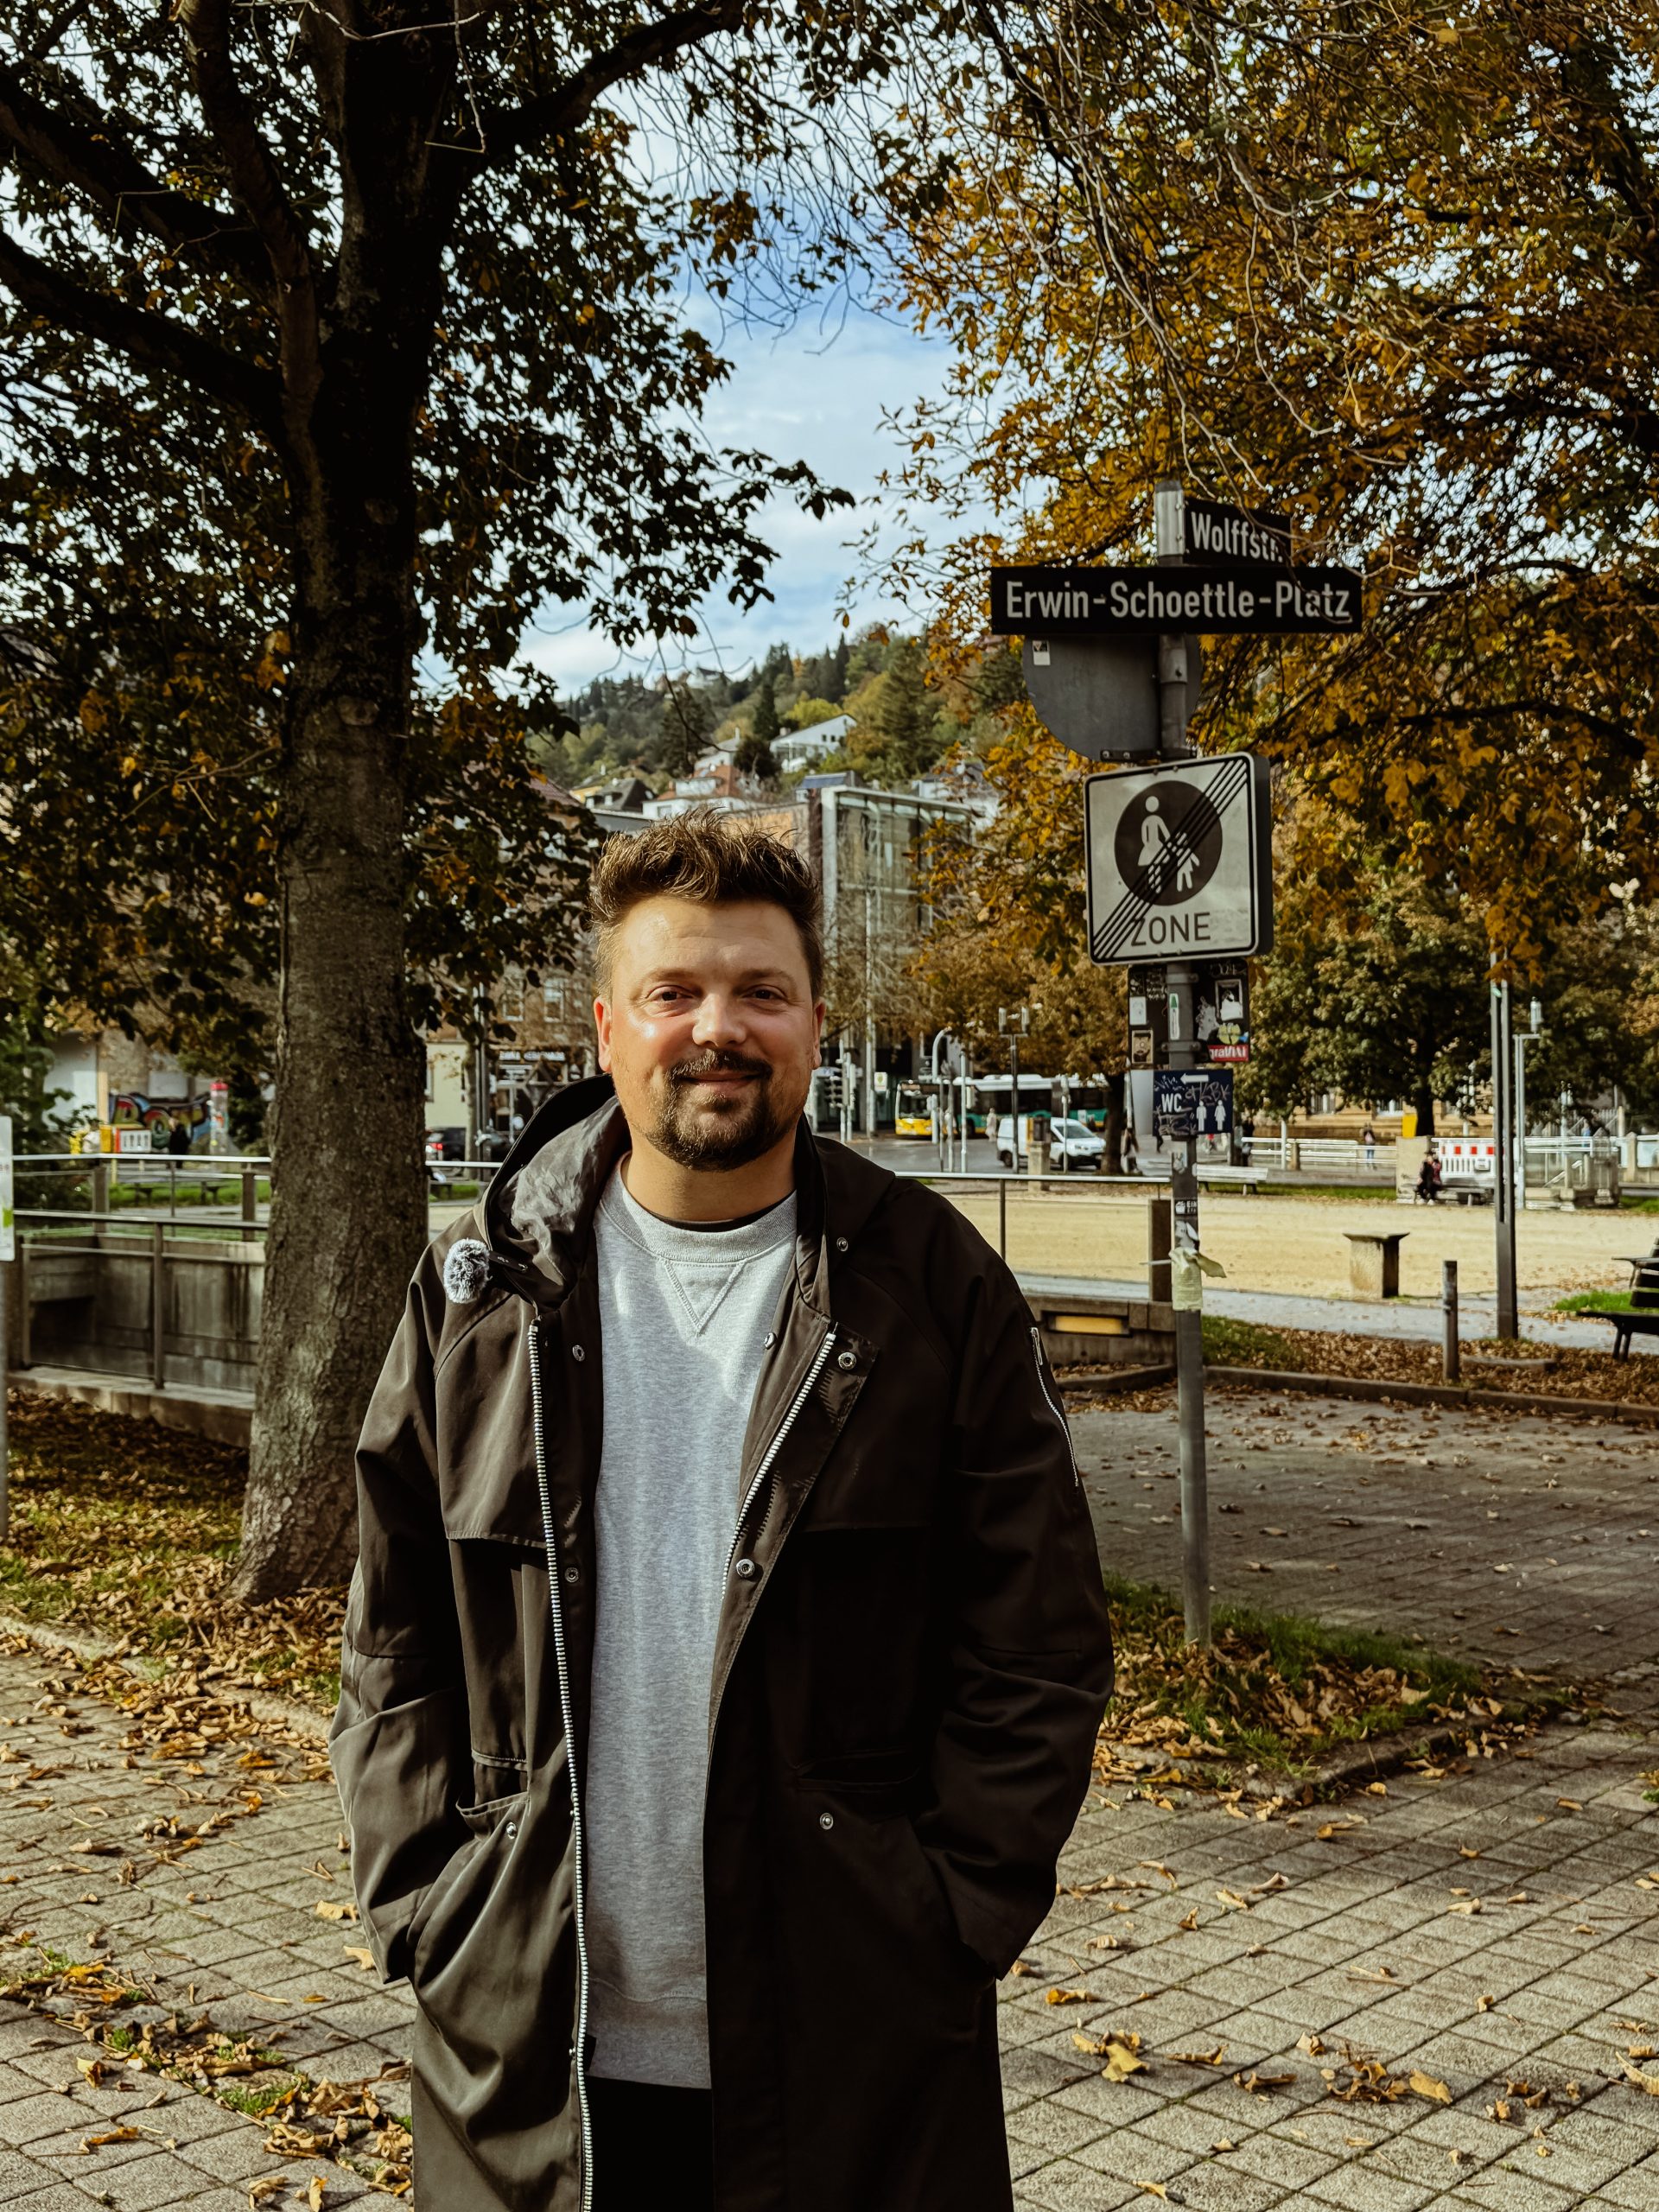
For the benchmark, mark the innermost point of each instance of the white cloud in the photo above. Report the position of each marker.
(806, 394)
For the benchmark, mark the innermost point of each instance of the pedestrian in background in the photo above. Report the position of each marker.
(725, 1657)
(1369, 1140)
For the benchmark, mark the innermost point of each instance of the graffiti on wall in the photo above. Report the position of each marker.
(132, 1109)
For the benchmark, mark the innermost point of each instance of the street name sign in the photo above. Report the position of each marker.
(1193, 1101)
(1179, 860)
(1214, 529)
(1057, 600)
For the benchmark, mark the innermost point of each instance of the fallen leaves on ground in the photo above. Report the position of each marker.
(1120, 2048)
(1263, 2085)
(116, 1521)
(1564, 1371)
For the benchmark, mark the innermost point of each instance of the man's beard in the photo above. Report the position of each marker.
(724, 1129)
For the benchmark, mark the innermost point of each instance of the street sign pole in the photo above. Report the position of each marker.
(1181, 981)
(1503, 1192)
(7, 1253)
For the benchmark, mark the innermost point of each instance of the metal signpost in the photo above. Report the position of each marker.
(1503, 1190)
(1178, 852)
(8, 1254)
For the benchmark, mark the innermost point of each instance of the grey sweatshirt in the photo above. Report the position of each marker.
(684, 1318)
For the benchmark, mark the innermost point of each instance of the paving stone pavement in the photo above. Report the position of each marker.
(1505, 1537)
(228, 1927)
(1362, 1937)
(1486, 1931)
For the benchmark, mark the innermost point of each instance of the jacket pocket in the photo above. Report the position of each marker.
(494, 1822)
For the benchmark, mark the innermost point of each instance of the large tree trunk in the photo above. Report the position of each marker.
(348, 1200)
(1425, 1105)
(348, 1185)
(1112, 1163)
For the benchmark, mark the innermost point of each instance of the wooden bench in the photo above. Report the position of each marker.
(1645, 1304)
(1626, 1325)
(1155, 1169)
(1642, 1319)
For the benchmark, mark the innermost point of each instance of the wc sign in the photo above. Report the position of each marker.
(1180, 861)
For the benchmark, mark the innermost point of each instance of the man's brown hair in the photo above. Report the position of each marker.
(717, 860)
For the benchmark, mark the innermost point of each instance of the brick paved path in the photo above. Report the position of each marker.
(230, 1929)
(1369, 1943)
(1512, 1538)
(1361, 1936)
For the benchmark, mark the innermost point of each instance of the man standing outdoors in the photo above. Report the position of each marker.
(725, 1656)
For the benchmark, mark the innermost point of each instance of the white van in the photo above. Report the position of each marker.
(1069, 1140)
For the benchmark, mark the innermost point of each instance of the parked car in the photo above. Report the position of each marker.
(1071, 1144)
(443, 1145)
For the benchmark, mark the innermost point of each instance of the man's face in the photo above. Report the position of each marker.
(709, 1028)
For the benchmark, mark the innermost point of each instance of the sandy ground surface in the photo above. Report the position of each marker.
(1298, 1245)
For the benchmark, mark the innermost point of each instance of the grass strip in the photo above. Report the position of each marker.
(1279, 1695)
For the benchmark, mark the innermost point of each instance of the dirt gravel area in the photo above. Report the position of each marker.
(1298, 1245)
(1503, 1536)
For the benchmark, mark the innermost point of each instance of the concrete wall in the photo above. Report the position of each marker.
(1103, 1331)
(92, 1308)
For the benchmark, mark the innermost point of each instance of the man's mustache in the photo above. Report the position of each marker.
(707, 1064)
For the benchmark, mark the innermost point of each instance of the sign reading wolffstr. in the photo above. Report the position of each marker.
(1179, 860)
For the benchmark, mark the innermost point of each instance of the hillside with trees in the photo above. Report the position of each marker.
(907, 715)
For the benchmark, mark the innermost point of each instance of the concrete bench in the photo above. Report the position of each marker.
(1373, 1261)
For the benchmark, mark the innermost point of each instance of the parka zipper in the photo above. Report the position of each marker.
(580, 2053)
(1057, 1412)
(763, 1471)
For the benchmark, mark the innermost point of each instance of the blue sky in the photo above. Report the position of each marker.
(804, 394)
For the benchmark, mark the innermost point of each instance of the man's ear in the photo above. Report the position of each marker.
(602, 1030)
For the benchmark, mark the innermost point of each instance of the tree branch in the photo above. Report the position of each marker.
(510, 132)
(76, 145)
(150, 340)
(258, 184)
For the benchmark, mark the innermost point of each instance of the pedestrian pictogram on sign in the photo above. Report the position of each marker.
(1179, 860)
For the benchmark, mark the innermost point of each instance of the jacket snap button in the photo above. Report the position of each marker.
(576, 1352)
(840, 1244)
(771, 1339)
(572, 1574)
(846, 1360)
(513, 1827)
(746, 1568)
(826, 1820)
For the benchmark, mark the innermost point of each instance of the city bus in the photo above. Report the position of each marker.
(914, 1110)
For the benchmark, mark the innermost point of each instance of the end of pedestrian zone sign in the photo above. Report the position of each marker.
(1180, 861)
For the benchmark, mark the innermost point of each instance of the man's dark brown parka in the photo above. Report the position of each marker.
(912, 1663)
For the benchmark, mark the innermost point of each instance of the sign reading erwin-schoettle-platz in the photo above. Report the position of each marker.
(1179, 860)
(1057, 602)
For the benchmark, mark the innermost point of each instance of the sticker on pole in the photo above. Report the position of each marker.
(1180, 861)
(7, 1218)
(1193, 1101)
